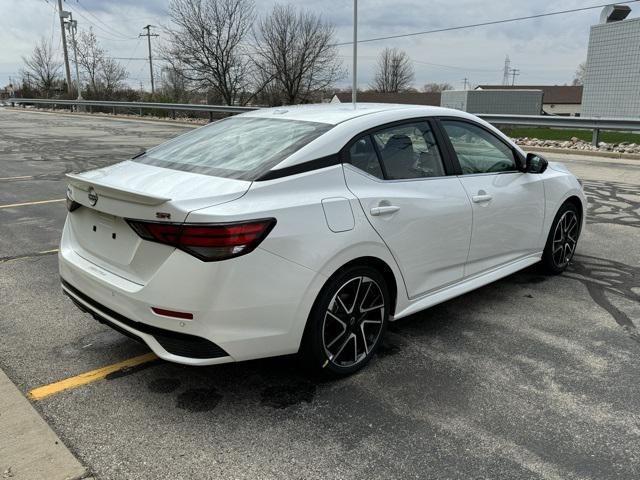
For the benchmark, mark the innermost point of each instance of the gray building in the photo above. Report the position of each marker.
(510, 102)
(563, 100)
(612, 76)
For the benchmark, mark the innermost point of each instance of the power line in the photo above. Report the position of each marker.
(135, 58)
(484, 24)
(114, 36)
(117, 32)
(493, 70)
(430, 64)
(133, 52)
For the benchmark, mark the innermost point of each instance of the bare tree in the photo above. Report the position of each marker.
(394, 71)
(206, 44)
(104, 75)
(112, 76)
(42, 66)
(296, 56)
(580, 74)
(173, 83)
(90, 57)
(436, 87)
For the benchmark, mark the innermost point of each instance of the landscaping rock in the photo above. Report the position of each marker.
(576, 144)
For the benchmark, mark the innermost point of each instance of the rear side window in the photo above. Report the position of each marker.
(236, 147)
(409, 151)
(478, 151)
(362, 155)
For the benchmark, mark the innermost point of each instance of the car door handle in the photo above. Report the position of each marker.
(481, 198)
(386, 210)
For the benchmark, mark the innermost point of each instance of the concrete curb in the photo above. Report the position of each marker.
(29, 448)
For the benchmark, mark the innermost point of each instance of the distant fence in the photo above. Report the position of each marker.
(594, 124)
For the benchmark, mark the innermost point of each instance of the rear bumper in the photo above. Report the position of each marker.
(248, 307)
(174, 343)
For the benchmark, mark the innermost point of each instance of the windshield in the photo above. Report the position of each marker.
(236, 147)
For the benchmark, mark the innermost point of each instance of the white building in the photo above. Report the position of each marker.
(612, 77)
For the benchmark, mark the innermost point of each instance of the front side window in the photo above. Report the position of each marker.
(236, 147)
(477, 150)
(409, 151)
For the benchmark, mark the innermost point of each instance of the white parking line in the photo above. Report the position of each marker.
(23, 177)
(40, 202)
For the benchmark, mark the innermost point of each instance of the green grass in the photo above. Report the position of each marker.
(545, 133)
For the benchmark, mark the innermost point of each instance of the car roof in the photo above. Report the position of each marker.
(348, 122)
(335, 113)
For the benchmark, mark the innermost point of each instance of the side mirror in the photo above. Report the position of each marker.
(535, 163)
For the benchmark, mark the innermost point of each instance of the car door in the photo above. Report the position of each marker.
(421, 213)
(508, 204)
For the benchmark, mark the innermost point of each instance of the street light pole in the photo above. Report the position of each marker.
(73, 27)
(64, 47)
(354, 87)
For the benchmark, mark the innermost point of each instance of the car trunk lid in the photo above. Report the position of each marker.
(131, 190)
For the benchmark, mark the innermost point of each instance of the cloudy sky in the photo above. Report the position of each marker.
(546, 50)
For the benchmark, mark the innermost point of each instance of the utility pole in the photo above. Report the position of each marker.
(354, 87)
(466, 83)
(514, 73)
(67, 71)
(149, 35)
(73, 27)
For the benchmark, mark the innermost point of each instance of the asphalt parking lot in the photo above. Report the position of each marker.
(530, 377)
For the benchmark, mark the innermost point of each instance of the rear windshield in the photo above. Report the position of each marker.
(236, 147)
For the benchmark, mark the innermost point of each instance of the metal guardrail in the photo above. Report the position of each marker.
(585, 123)
(139, 106)
(593, 124)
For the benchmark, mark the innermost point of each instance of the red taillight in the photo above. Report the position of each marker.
(210, 242)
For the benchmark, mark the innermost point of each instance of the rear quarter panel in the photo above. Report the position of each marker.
(302, 233)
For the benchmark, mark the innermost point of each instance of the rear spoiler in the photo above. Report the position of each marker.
(109, 191)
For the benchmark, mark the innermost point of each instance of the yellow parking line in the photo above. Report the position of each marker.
(88, 377)
(16, 178)
(32, 203)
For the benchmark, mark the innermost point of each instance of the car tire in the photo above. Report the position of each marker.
(562, 240)
(347, 322)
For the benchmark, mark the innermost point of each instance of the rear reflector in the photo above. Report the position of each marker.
(172, 313)
(208, 242)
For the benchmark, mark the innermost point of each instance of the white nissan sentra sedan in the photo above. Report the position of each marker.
(307, 229)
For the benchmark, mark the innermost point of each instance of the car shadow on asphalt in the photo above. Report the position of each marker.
(282, 382)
